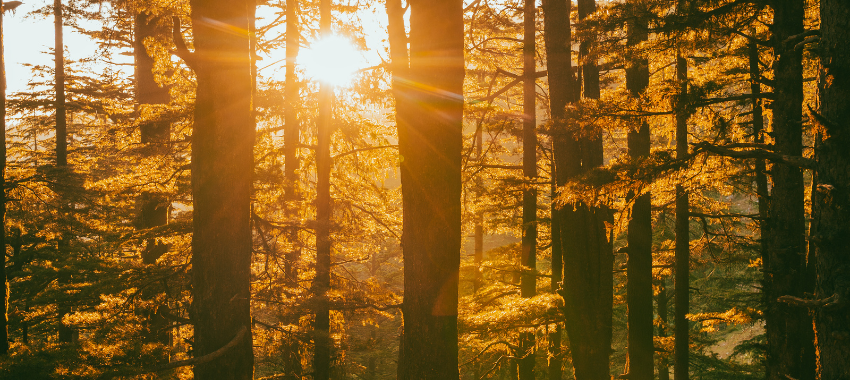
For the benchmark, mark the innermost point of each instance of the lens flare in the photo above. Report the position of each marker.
(333, 60)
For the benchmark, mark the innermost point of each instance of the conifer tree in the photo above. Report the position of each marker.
(639, 271)
(222, 151)
(430, 147)
(830, 200)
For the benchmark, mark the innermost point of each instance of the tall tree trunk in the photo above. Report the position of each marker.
(153, 206)
(639, 266)
(528, 260)
(66, 333)
(789, 329)
(430, 142)
(556, 361)
(587, 252)
(681, 281)
(758, 138)
(832, 198)
(292, 129)
(562, 89)
(4, 288)
(322, 282)
(59, 86)
(222, 163)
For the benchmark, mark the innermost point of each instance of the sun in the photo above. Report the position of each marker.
(333, 60)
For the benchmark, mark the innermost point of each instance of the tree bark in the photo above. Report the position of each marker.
(682, 255)
(662, 298)
(322, 282)
(222, 163)
(788, 329)
(153, 206)
(639, 266)
(528, 260)
(59, 87)
(430, 144)
(4, 288)
(291, 166)
(832, 198)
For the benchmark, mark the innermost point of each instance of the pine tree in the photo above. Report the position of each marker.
(430, 148)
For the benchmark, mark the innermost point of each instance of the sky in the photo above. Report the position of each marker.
(28, 38)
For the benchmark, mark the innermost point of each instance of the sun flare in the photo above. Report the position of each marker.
(333, 60)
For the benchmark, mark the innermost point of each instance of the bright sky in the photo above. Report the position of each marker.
(27, 38)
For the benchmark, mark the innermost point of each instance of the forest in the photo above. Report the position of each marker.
(426, 190)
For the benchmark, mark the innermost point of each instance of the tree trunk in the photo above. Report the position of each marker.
(222, 163)
(789, 329)
(59, 87)
(664, 363)
(556, 361)
(528, 260)
(430, 142)
(758, 138)
(562, 89)
(587, 252)
(153, 206)
(4, 288)
(832, 198)
(681, 281)
(292, 128)
(639, 266)
(322, 282)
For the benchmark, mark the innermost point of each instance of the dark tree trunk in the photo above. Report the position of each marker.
(528, 260)
(222, 163)
(4, 288)
(156, 133)
(59, 87)
(556, 361)
(664, 363)
(681, 281)
(832, 198)
(639, 266)
(562, 89)
(758, 137)
(292, 129)
(789, 329)
(322, 282)
(66, 333)
(587, 252)
(430, 141)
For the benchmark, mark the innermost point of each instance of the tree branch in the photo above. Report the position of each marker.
(809, 303)
(800, 162)
(182, 50)
(183, 363)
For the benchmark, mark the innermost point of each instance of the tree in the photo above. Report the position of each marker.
(639, 270)
(430, 148)
(528, 258)
(4, 291)
(322, 281)
(788, 328)
(830, 200)
(222, 162)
